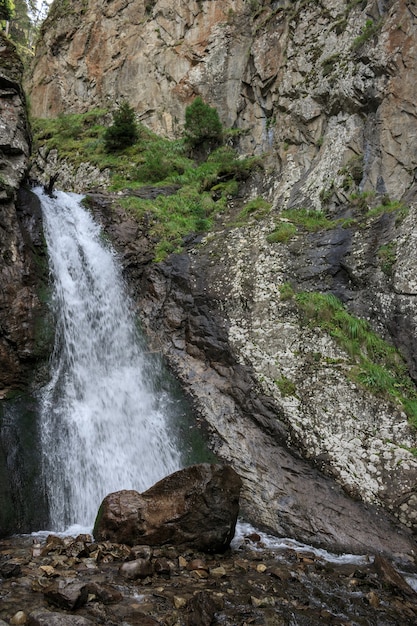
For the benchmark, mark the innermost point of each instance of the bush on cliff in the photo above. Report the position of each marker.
(124, 131)
(6, 9)
(202, 126)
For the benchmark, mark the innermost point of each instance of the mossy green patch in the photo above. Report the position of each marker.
(203, 188)
(286, 386)
(375, 363)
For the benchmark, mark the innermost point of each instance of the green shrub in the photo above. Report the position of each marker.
(387, 256)
(286, 386)
(202, 124)
(6, 9)
(369, 30)
(282, 233)
(286, 291)
(124, 131)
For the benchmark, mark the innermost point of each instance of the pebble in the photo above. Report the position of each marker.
(261, 568)
(218, 572)
(179, 602)
(19, 618)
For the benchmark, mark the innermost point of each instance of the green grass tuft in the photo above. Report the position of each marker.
(376, 364)
(282, 233)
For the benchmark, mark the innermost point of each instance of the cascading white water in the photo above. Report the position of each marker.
(103, 426)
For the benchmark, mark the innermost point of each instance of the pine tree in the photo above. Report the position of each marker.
(202, 124)
(124, 131)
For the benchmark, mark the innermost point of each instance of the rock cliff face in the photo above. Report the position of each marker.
(313, 84)
(22, 316)
(20, 231)
(323, 91)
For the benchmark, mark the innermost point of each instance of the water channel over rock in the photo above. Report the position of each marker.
(106, 422)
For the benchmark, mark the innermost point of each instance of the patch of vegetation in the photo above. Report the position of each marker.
(388, 206)
(282, 233)
(340, 25)
(353, 172)
(387, 256)
(327, 193)
(329, 64)
(370, 206)
(369, 30)
(311, 220)
(202, 189)
(286, 386)
(362, 201)
(6, 9)
(256, 209)
(77, 137)
(376, 364)
(124, 131)
(286, 291)
(202, 124)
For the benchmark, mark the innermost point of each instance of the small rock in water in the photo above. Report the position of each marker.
(142, 552)
(162, 567)
(140, 568)
(104, 593)
(373, 599)
(36, 549)
(218, 572)
(48, 570)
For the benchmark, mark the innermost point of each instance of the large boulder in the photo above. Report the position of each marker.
(195, 507)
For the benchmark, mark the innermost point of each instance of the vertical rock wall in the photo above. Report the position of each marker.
(20, 231)
(23, 323)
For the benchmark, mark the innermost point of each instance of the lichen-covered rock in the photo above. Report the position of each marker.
(196, 507)
(219, 317)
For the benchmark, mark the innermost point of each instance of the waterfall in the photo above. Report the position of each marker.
(104, 426)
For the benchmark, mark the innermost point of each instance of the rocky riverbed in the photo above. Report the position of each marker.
(67, 581)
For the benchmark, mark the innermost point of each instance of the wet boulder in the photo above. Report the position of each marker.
(67, 594)
(42, 617)
(196, 507)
